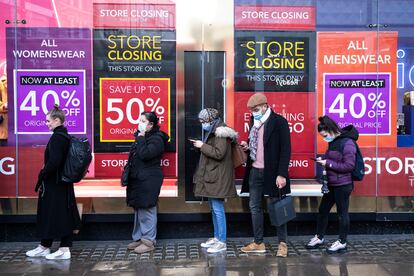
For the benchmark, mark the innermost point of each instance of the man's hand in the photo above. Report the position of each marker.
(244, 145)
(280, 182)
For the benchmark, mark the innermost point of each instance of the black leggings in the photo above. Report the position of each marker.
(65, 241)
(339, 196)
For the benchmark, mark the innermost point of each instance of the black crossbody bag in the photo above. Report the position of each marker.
(126, 171)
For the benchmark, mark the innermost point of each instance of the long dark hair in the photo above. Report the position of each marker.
(152, 118)
(328, 125)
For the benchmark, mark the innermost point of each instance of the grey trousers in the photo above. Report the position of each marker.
(145, 224)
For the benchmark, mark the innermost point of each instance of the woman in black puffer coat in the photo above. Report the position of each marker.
(145, 180)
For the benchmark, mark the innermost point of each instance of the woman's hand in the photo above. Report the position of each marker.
(321, 162)
(197, 143)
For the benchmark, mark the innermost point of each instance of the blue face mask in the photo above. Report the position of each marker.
(206, 126)
(328, 139)
(257, 115)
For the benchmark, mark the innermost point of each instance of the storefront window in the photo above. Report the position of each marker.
(105, 62)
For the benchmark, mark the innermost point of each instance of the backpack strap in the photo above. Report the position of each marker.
(67, 136)
(342, 146)
(342, 143)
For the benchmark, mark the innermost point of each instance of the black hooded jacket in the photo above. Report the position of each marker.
(146, 176)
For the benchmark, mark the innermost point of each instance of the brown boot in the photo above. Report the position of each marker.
(282, 250)
(133, 245)
(145, 246)
(254, 248)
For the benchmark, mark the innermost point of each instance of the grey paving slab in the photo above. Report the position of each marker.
(367, 255)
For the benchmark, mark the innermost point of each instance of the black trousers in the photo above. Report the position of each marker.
(339, 196)
(65, 241)
(256, 187)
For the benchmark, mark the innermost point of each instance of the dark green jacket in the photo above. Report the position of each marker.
(214, 176)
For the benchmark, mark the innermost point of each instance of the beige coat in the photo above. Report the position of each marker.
(214, 176)
(3, 110)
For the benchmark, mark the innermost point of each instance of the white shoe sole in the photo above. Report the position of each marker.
(62, 257)
(217, 251)
(342, 250)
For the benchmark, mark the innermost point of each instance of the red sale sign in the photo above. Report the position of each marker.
(8, 171)
(122, 100)
(301, 166)
(112, 164)
(137, 15)
(274, 17)
(299, 110)
(391, 168)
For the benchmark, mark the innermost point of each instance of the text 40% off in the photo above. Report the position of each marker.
(132, 113)
(71, 106)
(377, 107)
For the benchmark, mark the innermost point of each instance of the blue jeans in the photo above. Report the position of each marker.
(219, 218)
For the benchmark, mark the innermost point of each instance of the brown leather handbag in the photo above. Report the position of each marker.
(238, 155)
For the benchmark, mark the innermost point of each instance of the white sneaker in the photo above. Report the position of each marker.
(39, 251)
(209, 243)
(217, 247)
(59, 254)
(336, 247)
(315, 242)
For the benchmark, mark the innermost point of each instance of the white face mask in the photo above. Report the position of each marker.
(142, 127)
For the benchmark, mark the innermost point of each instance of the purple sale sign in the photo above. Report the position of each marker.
(47, 66)
(38, 90)
(363, 100)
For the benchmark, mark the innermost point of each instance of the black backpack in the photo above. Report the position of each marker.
(78, 159)
(359, 169)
